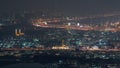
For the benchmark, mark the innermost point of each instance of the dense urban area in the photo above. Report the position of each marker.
(31, 36)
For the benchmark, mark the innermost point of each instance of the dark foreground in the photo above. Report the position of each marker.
(59, 64)
(50, 61)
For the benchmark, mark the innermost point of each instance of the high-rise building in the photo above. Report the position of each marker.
(18, 32)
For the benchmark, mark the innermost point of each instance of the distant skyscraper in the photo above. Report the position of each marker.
(18, 32)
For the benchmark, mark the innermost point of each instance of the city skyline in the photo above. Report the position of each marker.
(60, 33)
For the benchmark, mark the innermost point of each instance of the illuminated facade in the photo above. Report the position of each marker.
(18, 32)
(63, 47)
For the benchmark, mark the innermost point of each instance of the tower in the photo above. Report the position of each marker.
(18, 32)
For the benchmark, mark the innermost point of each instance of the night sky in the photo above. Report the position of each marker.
(68, 6)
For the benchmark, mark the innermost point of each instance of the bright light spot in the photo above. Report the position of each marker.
(69, 24)
(81, 26)
(95, 48)
(78, 24)
(45, 23)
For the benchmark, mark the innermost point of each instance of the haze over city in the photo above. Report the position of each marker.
(68, 6)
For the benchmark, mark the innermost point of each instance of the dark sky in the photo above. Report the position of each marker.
(72, 6)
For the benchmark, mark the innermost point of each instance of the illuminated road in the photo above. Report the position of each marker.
(76, 27)
(65, 27)
(39, 49)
